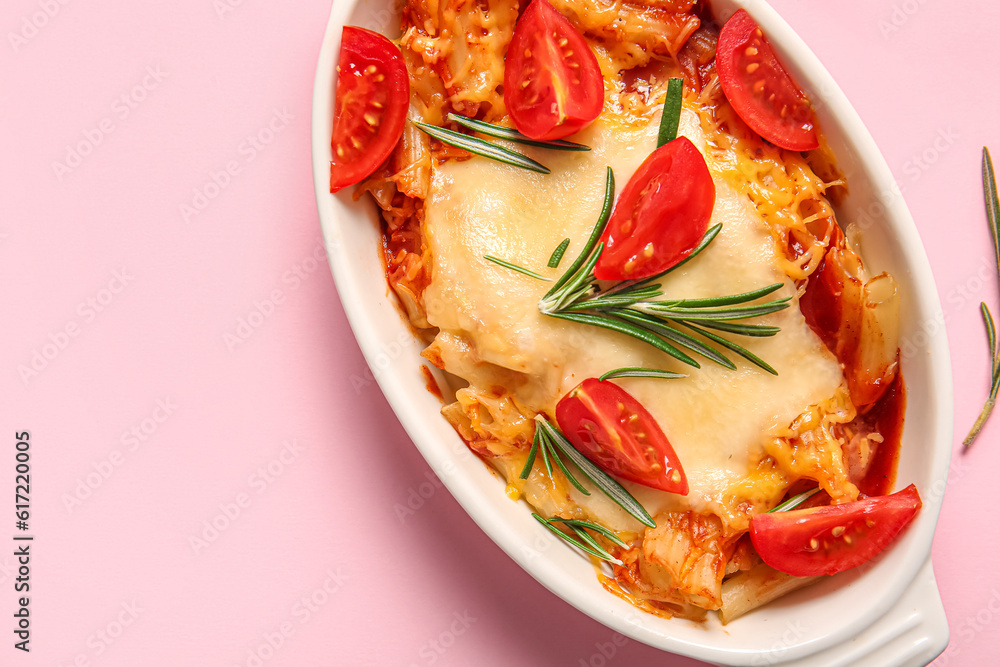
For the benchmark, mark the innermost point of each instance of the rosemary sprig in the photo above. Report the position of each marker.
(585, 543)
(671, 118)
(500, 132)
(677, 326)
(638, 372)
(795, 501)
(993, 217)
(481, 147)
(542, 442)
(554, 446)
(558, 253)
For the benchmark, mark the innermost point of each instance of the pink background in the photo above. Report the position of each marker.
(181, 354)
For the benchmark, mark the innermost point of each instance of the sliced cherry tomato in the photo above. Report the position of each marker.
(834, 538)
(618, 435)
(661, 215)
(552, 84)
(373, 94)
(760, 89)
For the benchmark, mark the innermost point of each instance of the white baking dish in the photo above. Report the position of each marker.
(886, 613)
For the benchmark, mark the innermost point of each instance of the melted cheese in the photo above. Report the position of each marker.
(716, 419)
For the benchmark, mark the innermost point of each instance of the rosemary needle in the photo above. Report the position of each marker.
(481, 147)
(671, 118)
(795, 501)
(508, 134)
(558, 253)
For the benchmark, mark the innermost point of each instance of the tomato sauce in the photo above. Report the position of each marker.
(886, 418)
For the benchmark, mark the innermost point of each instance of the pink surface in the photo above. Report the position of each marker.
(193, 366)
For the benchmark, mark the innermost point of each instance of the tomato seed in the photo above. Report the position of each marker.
(371, 69)
(838, 531)
(752, 67)
(371, 119)
(647, 252)
(759, 86)
(563, 42)
(751, 51)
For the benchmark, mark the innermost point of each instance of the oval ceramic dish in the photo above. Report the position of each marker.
(885, 613)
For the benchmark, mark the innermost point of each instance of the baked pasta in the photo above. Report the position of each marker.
(804, 393)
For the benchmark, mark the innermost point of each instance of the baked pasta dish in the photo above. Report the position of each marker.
(614, 226)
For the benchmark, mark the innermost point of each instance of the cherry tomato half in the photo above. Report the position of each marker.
(834, 538)
(661, 215)
(373, 95)
(612, 429)
(552, 84)
(760, 89)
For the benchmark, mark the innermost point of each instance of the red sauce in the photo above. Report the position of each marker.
(432, 385)
(886, 418)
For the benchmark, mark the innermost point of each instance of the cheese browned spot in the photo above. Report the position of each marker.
(716, 419)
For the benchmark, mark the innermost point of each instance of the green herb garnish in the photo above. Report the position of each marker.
(500, 132)
(482, 147)
(557, 254)
(795, 501)
(992, 216)
(515, 267)
(638, 372)
(585, 542)
(554, 445)
(631, 307)
(671, 118)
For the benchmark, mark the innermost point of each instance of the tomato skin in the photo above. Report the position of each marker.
(612, 429)
(661, 215)
(845, 535)
(552, 89)
(373, 95)
(760, 89)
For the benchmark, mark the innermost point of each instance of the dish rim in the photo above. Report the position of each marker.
(899, 223)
